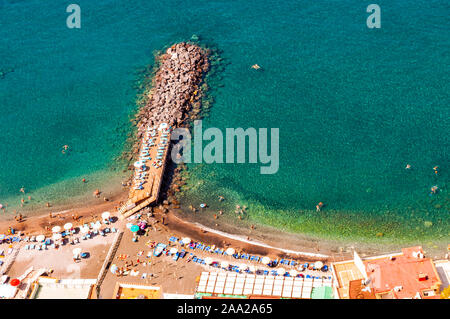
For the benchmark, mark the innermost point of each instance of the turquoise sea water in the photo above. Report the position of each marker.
(353, 105)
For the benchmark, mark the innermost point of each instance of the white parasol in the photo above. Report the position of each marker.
(281, 271)
(56, 229)
(106, 215)
(252, 268)
(208, 260)
(186, 240)
(84, 229)
(57, 236)
(77, 251)
(68, 226)
(293, 272)
(224, 264)
(97, 226)
(40, 237)
(163, 126)
(265, 260)
(173, 250)
(138, 164)
(243, 266)
(318, 264)
(230, 251)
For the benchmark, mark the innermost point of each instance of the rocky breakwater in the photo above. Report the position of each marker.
(175, 86)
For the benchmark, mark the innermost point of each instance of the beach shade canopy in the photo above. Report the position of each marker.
(163, 126)
(265, 260)
(106, 215)
(2, 237)
(134, 228)
(293, 272)
(14, 282)
(318, 264)
(138, 164)
(252, 268)
(173, 250)
(77, 251)
(97, 226)
(281, 271)
(243, 266)
(208, 260)
(68, 226)
(84, 229)
(186, 240)
(113, 268)
(230, 251)
(56, 229)
(40, 237)
(224, 264)
(57, 236)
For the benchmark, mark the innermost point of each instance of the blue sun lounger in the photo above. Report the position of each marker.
(173, 239)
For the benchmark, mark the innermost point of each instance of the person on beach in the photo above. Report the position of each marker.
(22, 190)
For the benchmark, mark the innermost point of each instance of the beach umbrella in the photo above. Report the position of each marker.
(281, 271)
(163, 126)
(97, 226)
(113, 268)
(138, 164)
(293, 272)
(208, 260)
(57, 236)
(230, 251)
(318, 264)
(224, 264)
(14, 282)
(243, 266)
(77, 251)
(173, 250)
(134, 228)
(56, 229)
(68, 226)
(84, 229)
(265, 260)
(40, 238)
(2, 237)
(106, 215)
(186, 240)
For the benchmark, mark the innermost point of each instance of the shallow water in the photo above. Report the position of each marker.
(353, 105)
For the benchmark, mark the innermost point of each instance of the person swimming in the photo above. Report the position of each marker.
(436, 168)
(434, 190)
(256, 67)
(319, 206)
(408, 166)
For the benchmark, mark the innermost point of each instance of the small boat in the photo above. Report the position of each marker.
(159, 249)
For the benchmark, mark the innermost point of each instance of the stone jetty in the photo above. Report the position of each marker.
(174, 91)
(174, 86)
